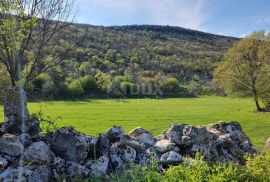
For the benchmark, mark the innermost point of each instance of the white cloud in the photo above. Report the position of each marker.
(185, 13)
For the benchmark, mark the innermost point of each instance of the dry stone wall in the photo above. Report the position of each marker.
(67, 151)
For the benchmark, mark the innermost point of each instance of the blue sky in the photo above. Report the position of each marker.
(226, 17)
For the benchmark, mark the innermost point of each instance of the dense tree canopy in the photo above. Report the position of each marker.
(127, 55)
(139, 56)
(245, 69)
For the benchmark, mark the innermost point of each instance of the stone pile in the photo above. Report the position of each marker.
(66, 151)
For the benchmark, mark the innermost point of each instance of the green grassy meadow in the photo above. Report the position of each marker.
(95, 116)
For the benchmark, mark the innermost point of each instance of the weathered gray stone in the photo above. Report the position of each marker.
(11, 174)
(121, 154)
(114, 134)
(100, 166)
(163, 146)
(169, 158)
(27, 174)
(40, 174)
(15, 110)
(10, 145)
(25, 139)
(198, 135)
(74, 169)
(38, 151)
(103, 146)
(59, 165)
(132, 142)
(92, 143)
(142, 135)
(71, 145)
(174, 133)
(3, 163)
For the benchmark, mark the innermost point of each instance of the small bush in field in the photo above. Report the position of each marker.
(88, 83)
(75, 89)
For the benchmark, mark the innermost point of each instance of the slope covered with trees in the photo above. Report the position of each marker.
(133, 60)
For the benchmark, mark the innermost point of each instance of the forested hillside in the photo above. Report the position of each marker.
(120, 59)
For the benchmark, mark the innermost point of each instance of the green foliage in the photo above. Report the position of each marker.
(172, 87)
(103, 80)
(88, 83)
(132, 52)
(194, 88)
(245, 70)
(128, 88)
(75, 88)
(39, 81)
(257, 169)
(4, 82)
(47, 123)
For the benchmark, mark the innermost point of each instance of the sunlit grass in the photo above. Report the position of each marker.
(95, 116)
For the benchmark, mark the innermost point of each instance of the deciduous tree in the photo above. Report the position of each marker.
(245, 69)
(30, 32)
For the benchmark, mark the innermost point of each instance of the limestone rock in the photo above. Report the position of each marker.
(99, 167)
(103, 145)
(15, 110)
(92, 145)
(3, 163)
(59, 165)
(121, 154)
(74, 169)
(114, 134)
(71, 145)
(11, 174)
(163, 146)
(171, 157)
(132, 142)
(28, 174)
(10, 145)
(142, 135)
(174, 133)
(39, 174)
(38, 151)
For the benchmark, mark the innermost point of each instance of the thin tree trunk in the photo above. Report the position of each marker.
(259, 109)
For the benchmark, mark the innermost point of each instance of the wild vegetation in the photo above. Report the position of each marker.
(256, 169)
(120, 60)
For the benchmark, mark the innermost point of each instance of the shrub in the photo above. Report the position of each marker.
(172, 87)
(194, 88)
(47, 123)
(128, 88)
(39, 81)
(75, 89)
(103, 80)
(115, 88)
(88, 83)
